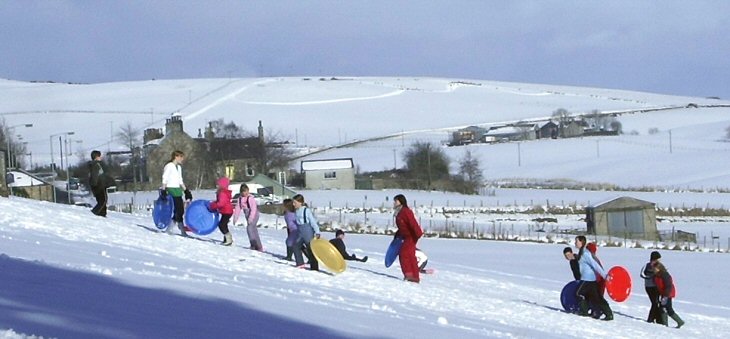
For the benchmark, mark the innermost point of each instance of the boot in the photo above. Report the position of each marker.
(679, 320)
(181, 227)
(227, 239)
(607, 311)
(663, 318)
(289, 252)
(583, 308)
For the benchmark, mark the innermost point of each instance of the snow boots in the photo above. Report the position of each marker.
(676, 318)
(227, 239)
(180, 227)
(583, 308)
(607, 311)
(663, 319)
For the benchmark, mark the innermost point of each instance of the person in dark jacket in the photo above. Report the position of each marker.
(665, 285)
(655, 312)
(339, 243)
(570, 256)
(99, 181)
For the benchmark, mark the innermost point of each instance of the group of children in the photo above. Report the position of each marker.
(172, 184)
(588, 269)
(301, 224)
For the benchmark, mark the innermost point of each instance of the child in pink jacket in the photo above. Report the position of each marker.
(222, 204)
(247, 204)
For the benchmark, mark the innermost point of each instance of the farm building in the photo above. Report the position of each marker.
(623, 217)
(329, 174)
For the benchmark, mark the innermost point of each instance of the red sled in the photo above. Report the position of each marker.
(618, 283)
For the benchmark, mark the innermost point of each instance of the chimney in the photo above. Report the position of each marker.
(174, 124)
(209, 134)
(151, 134)
(261, 132)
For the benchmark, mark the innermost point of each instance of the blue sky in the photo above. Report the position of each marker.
(670, 47)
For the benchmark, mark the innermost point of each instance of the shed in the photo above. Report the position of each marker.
(329, 174)
(623, 217)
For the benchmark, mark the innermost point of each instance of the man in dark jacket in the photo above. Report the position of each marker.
(339, 243)
(99, 181)
(568, 253)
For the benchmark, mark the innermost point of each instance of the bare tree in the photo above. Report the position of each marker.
(228, 130)
(130, 138)
(470, 173)
(276, 155)
(563, 117)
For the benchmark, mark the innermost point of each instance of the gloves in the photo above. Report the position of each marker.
(163, 194)
(664, 301)
(188, 195)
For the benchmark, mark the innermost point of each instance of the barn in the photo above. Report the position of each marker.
(329, 174)
(623, 217)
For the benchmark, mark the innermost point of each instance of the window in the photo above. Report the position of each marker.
(249, 170)
(330, 175)
(230, 171)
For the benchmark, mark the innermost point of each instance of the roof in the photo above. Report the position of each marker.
(227, 149)
(624, 203)
(327, 164)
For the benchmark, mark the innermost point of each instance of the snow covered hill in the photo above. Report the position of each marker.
(68, 274)
(682, 147)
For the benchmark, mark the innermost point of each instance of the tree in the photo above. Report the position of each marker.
(228, 130)
(563, 117)
(17, 149)
(470, 173)
(426, 163)
(130, 138)
(277, 155)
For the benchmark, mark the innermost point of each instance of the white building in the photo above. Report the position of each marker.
(329, 174)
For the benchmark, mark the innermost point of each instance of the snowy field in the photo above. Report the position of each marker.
(476, 214)
(68, 274)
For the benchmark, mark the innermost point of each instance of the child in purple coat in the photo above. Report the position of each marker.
(292, 233)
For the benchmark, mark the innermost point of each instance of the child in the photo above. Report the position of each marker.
(665, 285)
(339, 243)
(655, 312)
(410, 231)
(588, 288)
(247, 204)
(172, 183)
(308, 230)
(222, 204)
(570, 256)
(292, 233)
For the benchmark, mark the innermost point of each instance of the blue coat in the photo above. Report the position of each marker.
(589, 267)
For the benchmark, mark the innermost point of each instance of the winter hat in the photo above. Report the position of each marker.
(654, 256)
(592, 247)
(223, 182)
(338, 232)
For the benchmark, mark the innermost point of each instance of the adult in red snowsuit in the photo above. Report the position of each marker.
(410, 232)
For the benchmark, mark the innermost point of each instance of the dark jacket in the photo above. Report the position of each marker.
(575, 267)
(340, 246)
(99, 176)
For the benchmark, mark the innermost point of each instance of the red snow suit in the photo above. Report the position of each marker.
(410, 231)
